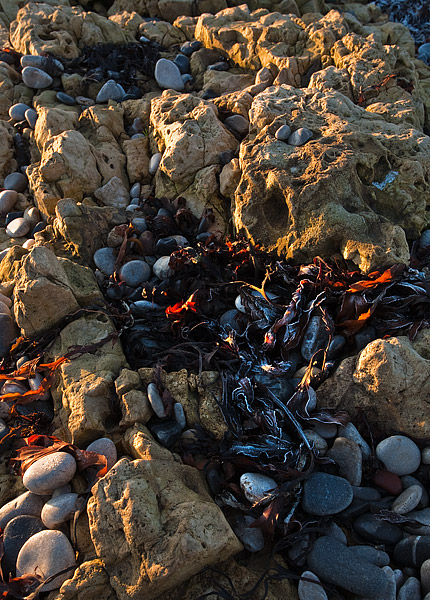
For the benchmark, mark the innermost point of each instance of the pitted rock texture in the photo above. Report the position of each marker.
(357, 188)
(155, 526)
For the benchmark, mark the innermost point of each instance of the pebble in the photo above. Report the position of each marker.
(32, 215)
(366, 493)
(135, 272)
(25, 504)
(325, 494)
(16, 533)
(336, 532)
(104, 259)
(410, 590)
(84, 101)
(36, 78)
(135, 190)
(17, 111)
(178, 411)
(408, 500)
(412, 551)
(372, 555)
(221, 65)
(8, 333)
(161, 268)
(28, 244)
(389, 482)
(238, 124)
(13, 215)
(318, 442)
(58, 510)
(256, 487)
(165, 246)
(8, 199)
(6, 301)
(233, 319)
(300, 137)
(141, 307)
(374, 530)
(336, 345)
(34, 384)
(15, 181)
(154, 163)
(424, 239)
(347, 455)
(31, 117)
(399, 454)
(423, 517)
(144, 40)
(351, 433)
(425, 455)
(111, 90)
(156, 401)
(65, 99)
(334, 562)
(316, 336)
(183, 63)
(424, 53)
(46, 553)
(186, 78)
(400, 578)
(50, 65)
(167, 433)
(251, 537)
(425, 576)
(49, 473)
(311, 591)
(168, 75)
(325, 430)
(18, 228)
(107, 448)
(140, 224)
(64, 489)
(283, 133)
(4, 309)
(188, 48)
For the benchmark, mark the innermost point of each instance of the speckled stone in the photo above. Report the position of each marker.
(251, 537)
(18, 228)
(49, 473)
(25, 504)
(399, 454)
(46, 553)
(325, 494)
(15, 181)
(408, 500)
(111, 90)
(410, 590)
(161, 268)
(371, 554)
(412, 551)
(59, 509)
(36, 78)
(425, 576)
(104, 259)
(135, 272)
(106, 447)
(168, 76)
(425, 455)
(256, 487)
(376, 531)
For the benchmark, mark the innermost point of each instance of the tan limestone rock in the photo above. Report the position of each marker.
(162, 33)
(388, 380)
(187, 25)
(90, 581)
(139, 443)
(7, 153)
(53, 121)
(154, 525)
(223, 82)
(11, 263)
(229, 178)
(127, 20)
(8, 79)
(137, 159)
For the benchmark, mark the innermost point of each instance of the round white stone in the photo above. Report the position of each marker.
(106, 447)
(399, 454)
(49, 472)
(58, 510)
(168, 76)
(256, 486)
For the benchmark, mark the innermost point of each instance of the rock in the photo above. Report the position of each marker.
(65, 99)
(15, 181)
(366, 493)
(49, 472)
(135, 272)
(8, 199)
(50, 65)
(31, 117)
(167, 433)
(156, 401)
(25, 504)
(334, 562)
(113, 193)
(168, 75)
(300, 137)
(58, 510)
(351, 433)
(46, 553)
(18, 228)
(8, 332)
(408, 500)
(375, 381)
(17, 111)
(317, 441)
(105, 259)
(135, 190)
(337, 533)
(184, 516)
(408, 480)
(374, 530)
(410, 590)
(308, 590)
(251, 537)
(425, 576)
(188, 48)
(399, 454)
(111, 90)
(35, 78)
(183, 63)
(325, 494)
(425, 455)
(325, 430)
(412, 551)
(154, 163)
(135, 408)
(257, 487)
(161, 268)
(238, 124)
(106, 447)
(16, 533)
(372, 555)
(347, 455)
(314, 338)
(283, 133)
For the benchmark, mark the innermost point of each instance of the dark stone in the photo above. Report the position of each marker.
(336, 345)
(335, 563)
(16, 533)
(372, 555)
(183, 63)
(325, 494)
(188, 48)
(215, 481)
(38, 227)
(379, 532)
(365, 493)
(412, 551)
(209, 95)
(65, 98)
(219, 66)
(167, 433)
(355, 509)
(165, 246)
(11, 216)
(364, 337)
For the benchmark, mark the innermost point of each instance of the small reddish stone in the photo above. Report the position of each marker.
(389, 482)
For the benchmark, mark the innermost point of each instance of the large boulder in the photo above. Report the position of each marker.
(390, 381)
(167, 9)
(7, 160)
(358, 188)
(154, 525)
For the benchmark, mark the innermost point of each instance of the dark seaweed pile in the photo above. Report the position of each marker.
(415, 14)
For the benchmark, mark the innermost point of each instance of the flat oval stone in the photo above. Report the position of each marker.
(17, 111)
(8, 199)
(36, 78)
(106, 447)
(179, 414)
(15, 181)
(156, 401)
(31, 117)
(84, 101)
(49, 473)
(283, 133)
(410, 590)
(135, 190)
(4, 309)
(161, 268)
(408, 480)
(46, 553)
(425, 455)
(188, 48)
(366, 493)
(408, 500)
(28, 244)
(334, 562)
(105, 259)
(65, 99)
(412, 551)
(168, 75)
(425, 576)
(399, 454)
(18, 228)
(135, 272)
(325, 430)
(317, 441)
(376, 531)
(16, 533)
(50, 65)
(372, 555)
(325, 494)
(25, 504)
(300, 137)
(238, 124)
(12, 216)
(111, 90)
(58, 510)
(311, 591)
(347, 455)
(183, 63)
(256, 487)
(154, 163)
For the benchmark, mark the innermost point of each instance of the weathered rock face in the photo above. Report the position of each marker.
(154, 526)
(168, 10)
(7, 161)
(90, 581)
(356, 188)
(390, 381)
